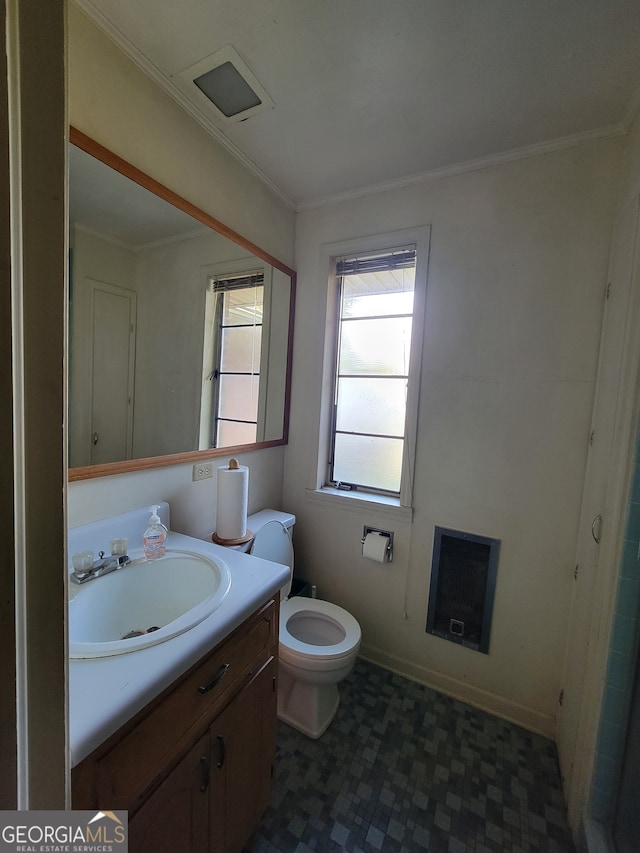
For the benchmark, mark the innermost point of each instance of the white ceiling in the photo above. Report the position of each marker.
(379, 92)
(103, 201)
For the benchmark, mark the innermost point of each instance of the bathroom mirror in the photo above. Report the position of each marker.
(180, 330)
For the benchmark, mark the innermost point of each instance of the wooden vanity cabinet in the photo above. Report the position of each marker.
(242, 768)
(176, 816)
(194, 767)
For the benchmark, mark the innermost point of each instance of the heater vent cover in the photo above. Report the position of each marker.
(463, 582)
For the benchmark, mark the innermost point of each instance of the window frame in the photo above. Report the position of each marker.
(222, 286)
(231, 269)
(420, 238)
(338, 376)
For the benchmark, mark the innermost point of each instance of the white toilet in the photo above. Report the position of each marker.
(319, 641)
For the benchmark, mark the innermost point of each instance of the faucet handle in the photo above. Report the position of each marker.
(119, 546)
(82, 561)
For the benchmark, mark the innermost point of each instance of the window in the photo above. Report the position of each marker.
(235, 375)
(372, 365)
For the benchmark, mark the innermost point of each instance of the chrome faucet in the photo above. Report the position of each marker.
(102, 566)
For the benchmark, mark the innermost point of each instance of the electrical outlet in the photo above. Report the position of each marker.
(202, 471)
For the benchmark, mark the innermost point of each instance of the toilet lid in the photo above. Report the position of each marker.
(339, 622)
(273, 542)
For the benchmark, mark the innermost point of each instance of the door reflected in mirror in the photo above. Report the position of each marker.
(180, 330)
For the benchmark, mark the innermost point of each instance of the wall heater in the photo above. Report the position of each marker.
(463, 582)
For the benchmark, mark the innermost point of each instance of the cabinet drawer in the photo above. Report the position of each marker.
(141, 753)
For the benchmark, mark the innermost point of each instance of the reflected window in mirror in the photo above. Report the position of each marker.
(233, 342)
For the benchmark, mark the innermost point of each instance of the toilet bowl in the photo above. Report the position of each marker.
(319, 641)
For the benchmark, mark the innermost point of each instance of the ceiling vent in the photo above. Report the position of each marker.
(223, 86)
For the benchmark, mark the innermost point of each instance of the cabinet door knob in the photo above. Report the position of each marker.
(221, 752)
(220, 674)
(204, 767)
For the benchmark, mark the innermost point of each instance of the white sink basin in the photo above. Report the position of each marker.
(169, 595)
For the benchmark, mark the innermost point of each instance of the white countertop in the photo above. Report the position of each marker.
(106, 692)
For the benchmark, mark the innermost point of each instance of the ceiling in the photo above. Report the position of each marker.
(103, 201)
(373, 93)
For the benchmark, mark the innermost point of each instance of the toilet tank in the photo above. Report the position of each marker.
(259, 519)
(256, 521)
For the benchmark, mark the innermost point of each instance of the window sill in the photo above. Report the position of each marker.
(361, 502)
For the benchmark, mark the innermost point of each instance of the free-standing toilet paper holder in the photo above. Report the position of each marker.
(388, 554)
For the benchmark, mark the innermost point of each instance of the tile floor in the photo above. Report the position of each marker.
(403, 768)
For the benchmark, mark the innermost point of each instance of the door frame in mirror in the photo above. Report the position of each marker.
(95, 149)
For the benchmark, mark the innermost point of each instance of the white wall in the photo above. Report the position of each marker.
(514, 301)
(117, 105)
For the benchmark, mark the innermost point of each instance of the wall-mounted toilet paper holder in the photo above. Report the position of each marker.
(388, 553)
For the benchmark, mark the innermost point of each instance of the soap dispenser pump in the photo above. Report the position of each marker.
(155, 537)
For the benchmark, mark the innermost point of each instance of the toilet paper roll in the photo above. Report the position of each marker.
(233, 494)
(375, 547)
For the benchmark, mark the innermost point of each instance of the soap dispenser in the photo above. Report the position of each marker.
(155, 537)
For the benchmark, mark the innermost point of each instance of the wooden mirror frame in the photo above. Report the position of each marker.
(90, 146)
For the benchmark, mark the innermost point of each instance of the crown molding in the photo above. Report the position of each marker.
(148, 68)
(106, 238)
(142, 247)
(477, 164)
